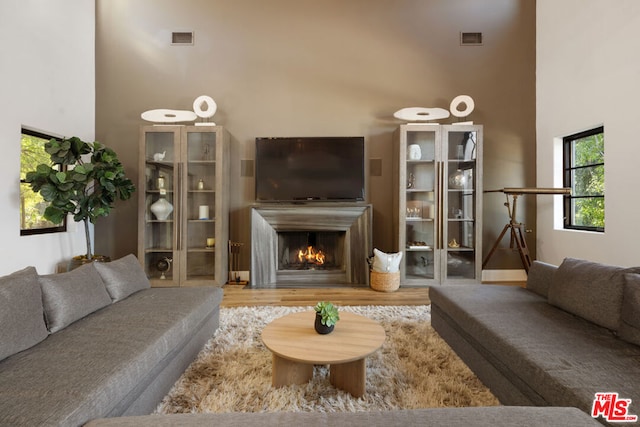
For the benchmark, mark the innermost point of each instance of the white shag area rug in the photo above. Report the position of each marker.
(414, 368)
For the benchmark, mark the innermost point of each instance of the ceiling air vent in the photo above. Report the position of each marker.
(180, 38)
(470, 39)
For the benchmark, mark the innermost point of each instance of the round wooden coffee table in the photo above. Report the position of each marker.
(296, 347)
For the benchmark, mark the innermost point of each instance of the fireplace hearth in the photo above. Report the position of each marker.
(310, 245)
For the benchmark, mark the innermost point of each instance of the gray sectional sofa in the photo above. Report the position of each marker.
(97, 346)
(483, 416)
(496, 416)
(573, 332)
(95, 342)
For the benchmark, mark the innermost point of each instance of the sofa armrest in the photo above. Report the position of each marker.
(540, 277)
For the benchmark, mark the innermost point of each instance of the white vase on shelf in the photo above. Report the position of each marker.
(414, 152)
(161, 209)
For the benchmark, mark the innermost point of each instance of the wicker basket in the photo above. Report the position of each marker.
(385, 282)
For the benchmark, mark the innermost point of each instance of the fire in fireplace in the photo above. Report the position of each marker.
(311, 255)
(311, 250)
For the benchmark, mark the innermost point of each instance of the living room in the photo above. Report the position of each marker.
(545, 70)
(528, 92)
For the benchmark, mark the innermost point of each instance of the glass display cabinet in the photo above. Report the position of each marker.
(438, 199)
(183, 221)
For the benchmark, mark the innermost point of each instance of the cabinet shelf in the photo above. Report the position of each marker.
(460, 249)
(462, 164)
(419, 190)
(151, 191)
(419, 248)
(158, 250)
(163, 163)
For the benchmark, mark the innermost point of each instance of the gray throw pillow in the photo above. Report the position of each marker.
(21, 315)
(123, 277)
(630, 315)
(590, 290)
(70, 296)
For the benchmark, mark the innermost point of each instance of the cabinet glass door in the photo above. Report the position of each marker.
(161, 154)
(460, 203)
(199, 177)
(419, 197)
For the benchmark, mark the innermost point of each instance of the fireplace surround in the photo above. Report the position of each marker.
(286, 239)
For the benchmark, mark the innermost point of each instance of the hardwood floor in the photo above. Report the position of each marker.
(237, 296)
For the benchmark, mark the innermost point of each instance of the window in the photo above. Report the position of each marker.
(32, 205)
(584, 174)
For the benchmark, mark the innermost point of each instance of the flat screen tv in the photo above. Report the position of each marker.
(310, 169)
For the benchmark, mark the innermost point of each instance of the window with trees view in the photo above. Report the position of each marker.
(584, 174)
(32, 205)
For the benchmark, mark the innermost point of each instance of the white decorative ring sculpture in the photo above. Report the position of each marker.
(168, 116)
(204, 101)
(414, 114)
(462, 99)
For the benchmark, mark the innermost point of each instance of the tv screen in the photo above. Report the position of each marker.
(310, 168)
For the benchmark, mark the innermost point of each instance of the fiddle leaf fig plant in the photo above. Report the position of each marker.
(328, 313)
(84, 179)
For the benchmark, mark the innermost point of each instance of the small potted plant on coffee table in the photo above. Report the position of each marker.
(326, 317)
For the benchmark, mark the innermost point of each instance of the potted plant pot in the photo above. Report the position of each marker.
(80, 260)
(320, 328)
(326, 317)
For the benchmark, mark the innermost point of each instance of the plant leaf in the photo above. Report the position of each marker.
(48, 192)
(54, 214)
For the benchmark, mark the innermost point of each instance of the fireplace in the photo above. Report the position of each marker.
(310, 245)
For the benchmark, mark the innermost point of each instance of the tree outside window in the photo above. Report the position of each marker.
(32, 205)
(584, 174)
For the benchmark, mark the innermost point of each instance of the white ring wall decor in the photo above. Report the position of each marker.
(207, 101)
(462, 99)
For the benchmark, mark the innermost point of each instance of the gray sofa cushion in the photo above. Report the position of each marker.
(556, 358)
(540, 277)
(92, 366)
(70, 296)
(123, 277)
(590, 290)
(21, 314)
(630, 315)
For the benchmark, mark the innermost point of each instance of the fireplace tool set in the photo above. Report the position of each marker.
(234, 263)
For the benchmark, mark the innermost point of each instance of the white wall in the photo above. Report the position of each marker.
(47, 82)
(588, 74)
